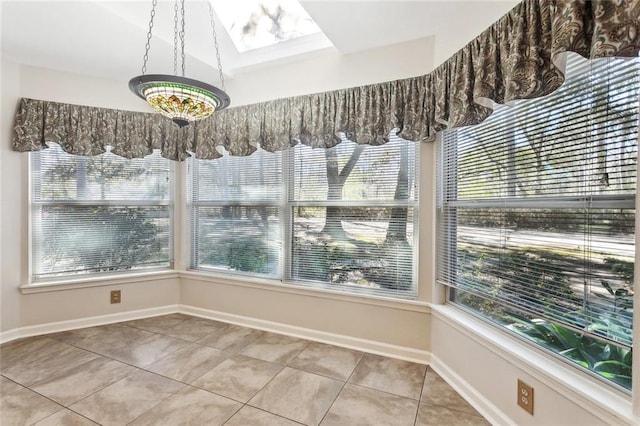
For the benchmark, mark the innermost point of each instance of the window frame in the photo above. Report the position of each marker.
(286, 206)
(100, 277)
(447, 174)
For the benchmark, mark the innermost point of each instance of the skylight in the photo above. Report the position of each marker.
(253, 24)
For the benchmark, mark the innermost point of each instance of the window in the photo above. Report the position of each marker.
(537, 216)
(236, 213)
(99, 214)
(338, 218)
(253, 24)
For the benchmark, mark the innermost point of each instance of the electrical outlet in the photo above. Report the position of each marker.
(525, 397)
(115, 297)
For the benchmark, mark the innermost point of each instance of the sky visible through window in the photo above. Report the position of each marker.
(253, 24)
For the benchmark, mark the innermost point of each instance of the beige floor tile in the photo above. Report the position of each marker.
(72, 336)
(27, 350)
(276, 348)
(327, 360)
(239, 377)
(429, 414)
(66, 418)
(284, 380)
(112, 337)
(438, 392)
(20, 406)
(127, 399)
(193, 329)
(231, 338)
(83, 380)
(147, 351)
(55, 363)
(363, 406)
(187, 364)
(391, 375)
(158, 324)
(252, 416)
(298, 395)
(188, 407)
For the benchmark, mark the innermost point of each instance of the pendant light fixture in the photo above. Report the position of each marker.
(181, 99)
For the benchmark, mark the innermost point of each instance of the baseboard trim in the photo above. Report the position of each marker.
(9, 335)
(485, 407)
(370, 346)
(56, 327)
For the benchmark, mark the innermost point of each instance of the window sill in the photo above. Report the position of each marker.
(292, 288)
(226, 279)
(602, 400)
(97, 281)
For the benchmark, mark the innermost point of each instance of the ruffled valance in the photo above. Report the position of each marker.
(521, 56)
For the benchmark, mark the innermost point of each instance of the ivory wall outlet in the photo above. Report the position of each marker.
(525, 397)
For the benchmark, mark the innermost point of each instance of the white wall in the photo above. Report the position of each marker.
(11, 188)
(450, 39)
(332, 71)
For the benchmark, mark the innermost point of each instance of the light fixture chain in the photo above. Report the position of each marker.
(182, 34)
(175, 38)
(215, 43)
(154, 3)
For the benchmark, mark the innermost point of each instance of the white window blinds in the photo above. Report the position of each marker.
(341, 218)
(99, 214)
(353, 212)
(235, 212)
(537, 206)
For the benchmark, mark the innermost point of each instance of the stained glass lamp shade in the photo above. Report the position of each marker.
(181, 99)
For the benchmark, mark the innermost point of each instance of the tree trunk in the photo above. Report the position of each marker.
(335, 182)
(397, 230)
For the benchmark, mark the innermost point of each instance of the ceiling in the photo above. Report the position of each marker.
(107, 38)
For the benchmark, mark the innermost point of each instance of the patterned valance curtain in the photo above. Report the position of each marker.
(521, 56)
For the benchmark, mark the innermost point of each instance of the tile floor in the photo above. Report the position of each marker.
(182, 370)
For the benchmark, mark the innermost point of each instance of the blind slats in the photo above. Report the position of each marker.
(537, 205)
(339, 218)
(99, 214)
